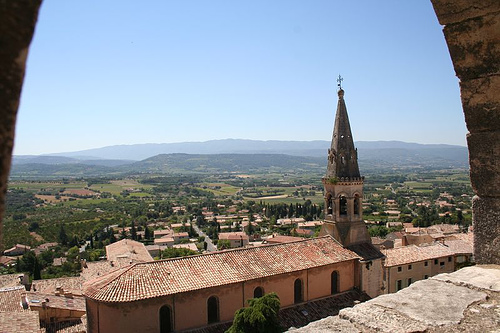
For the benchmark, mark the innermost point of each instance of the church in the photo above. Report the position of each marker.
(193, 292)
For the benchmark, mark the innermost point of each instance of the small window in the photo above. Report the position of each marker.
(400, 269)
(435, 261)
(409, 267)
(213, 309)
(334, 280)
(297, 291)
(426, 263)
(449, 259)
(165, 319)
(410, 281)
(441, 263)
(426, 276)
(399, 285)
(258, 292)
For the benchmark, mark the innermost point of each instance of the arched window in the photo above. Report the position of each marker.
(213, 309)
(343, 205)
(329, 205)
(356, 204)
(335, 282)
(297, 291)
(165, 319)
(258, 292)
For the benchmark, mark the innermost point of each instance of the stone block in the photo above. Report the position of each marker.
(484, 160)
(474, 47)
(481, 277)
(415, 302)
(486, 222)
(481, 103)
(452, 11)
(381, 319)
(331, 324)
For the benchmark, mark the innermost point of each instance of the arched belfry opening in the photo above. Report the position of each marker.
(342, 205)
(357, 205)
(329, 204)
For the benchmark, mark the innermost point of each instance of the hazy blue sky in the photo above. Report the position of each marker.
(122, 72)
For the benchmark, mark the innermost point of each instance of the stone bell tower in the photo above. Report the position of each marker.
(343, 185)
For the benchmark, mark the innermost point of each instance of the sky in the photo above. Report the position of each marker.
(103, 73)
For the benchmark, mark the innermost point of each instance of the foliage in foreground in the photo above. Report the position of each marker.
(260, 316)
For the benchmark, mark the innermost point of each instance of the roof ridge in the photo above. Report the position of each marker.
(235, 250)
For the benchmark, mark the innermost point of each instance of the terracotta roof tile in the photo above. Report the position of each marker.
(129, 249)
(167, 277)
(10, 299)
(412, 253)
(20, 322)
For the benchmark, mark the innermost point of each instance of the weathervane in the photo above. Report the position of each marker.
(339, 80)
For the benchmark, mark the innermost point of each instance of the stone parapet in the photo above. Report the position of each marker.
(463, 301)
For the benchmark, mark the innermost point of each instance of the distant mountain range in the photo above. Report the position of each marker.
(234, 156)
(318, 148)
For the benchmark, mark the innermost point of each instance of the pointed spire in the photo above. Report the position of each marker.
(342, 155)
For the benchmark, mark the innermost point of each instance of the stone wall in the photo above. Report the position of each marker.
(472, 32)
(464, 301)
(17, 24)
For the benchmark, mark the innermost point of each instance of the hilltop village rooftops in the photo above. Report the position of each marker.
(67, 284)
(412, 253)
(161, 278)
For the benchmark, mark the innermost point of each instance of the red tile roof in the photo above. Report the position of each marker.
(412, 253)
(20, 322)
(167, 277)
(127, 248)
(10, 299)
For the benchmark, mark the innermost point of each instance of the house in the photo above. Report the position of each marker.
(147, 297)
(162, 233)
(405, 265)
(189, 246)
(127, 249)
(17, 250)
(178, 236)
(154, 250)
(164, 241)
(236, 239)
(277, 239)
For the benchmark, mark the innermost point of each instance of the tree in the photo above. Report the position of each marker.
(37, 274)
(63, 238)
(133, 231)
(223, 244)
(260, 316)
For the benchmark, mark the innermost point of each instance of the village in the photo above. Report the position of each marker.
(408, 235)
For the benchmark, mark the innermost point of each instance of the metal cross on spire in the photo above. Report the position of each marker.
(339, 80)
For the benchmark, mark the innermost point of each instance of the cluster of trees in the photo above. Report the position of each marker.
(307, 210)
(40, 266)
